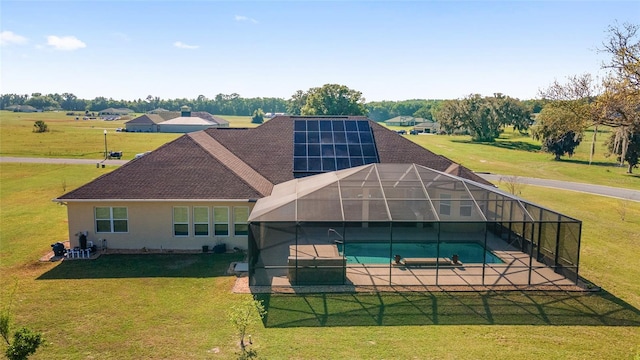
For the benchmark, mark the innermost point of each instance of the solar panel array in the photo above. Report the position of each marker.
(332, 144)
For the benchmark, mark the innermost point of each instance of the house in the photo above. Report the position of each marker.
(404, 121)
(320, 183)
(175, 122)
(199, 189)
(157, 110)
(113, 111)
(428, 127)
(144, 123)
(23, 108)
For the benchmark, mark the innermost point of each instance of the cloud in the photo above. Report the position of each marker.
(181, 45)
(9, 37)
(66, 43)
(244, 18)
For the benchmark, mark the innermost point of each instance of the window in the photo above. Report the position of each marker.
(465, 206)
(181, 221)
(240, 217)
(201, 221)
(445, 204)
(221, 221)
(111, 219)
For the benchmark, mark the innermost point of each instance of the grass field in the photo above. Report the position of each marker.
(174, 306)
(515, 154)
(83, 139)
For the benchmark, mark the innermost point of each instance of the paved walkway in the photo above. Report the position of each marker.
(614, 192)
(619, 193)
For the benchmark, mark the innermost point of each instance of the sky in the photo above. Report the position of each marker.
(396, 50)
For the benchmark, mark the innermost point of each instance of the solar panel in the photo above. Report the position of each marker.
(329, 145)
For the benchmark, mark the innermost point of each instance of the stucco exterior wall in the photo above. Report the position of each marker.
(141, 127)
(150, 226)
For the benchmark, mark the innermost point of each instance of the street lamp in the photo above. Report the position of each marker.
(105, 144)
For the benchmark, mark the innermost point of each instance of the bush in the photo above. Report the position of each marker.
(40, 127)
(25, 343)
(258, 117)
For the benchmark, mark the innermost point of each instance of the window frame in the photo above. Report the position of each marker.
(196, 222)
(112, 220)
(236, 223)
(180, 223)
(216, 223)
(445, 200)
(466, 204)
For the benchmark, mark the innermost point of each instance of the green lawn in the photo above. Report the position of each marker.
(515, 154)
(83, 139)
(174, 306)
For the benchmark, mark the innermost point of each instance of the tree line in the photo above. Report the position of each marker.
(330, 99)
(221, 104)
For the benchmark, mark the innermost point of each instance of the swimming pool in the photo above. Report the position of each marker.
(378, 253)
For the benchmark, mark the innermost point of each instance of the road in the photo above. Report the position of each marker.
(614, 192)
(61, 161)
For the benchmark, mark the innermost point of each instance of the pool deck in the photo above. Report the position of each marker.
(515, 272)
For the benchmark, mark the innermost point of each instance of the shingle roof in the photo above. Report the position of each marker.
(235, 163)
(146, 119)
(181, 169)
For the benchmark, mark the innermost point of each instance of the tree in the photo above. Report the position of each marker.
(258, 117)
(243, 314)
(42, 102)
(626, 145)
(619, 104)
(424, 112)
(332, 99)
(484, 118)
(40, 127)
(578, 95)
(559, 129)
(25, 341)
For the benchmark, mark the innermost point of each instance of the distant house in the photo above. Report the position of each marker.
(184, 121)
(404, 121)
(429, 127)
(156, 111)
(113, 111)
(144, 123)
(23, 108)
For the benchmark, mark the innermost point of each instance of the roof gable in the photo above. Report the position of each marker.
(181, 169)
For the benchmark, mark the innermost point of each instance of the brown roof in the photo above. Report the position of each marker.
(236, 163)
(146, 119)
(181, 169)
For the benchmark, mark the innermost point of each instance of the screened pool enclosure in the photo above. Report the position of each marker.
(405, 224)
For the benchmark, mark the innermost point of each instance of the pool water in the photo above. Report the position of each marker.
(378, 253)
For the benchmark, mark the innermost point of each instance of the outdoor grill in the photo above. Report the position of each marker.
(58, 249)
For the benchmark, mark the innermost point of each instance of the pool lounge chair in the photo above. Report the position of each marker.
(442, 261)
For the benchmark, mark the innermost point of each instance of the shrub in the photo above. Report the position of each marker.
(40, 127)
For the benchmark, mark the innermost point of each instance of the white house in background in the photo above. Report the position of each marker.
(184, 121)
